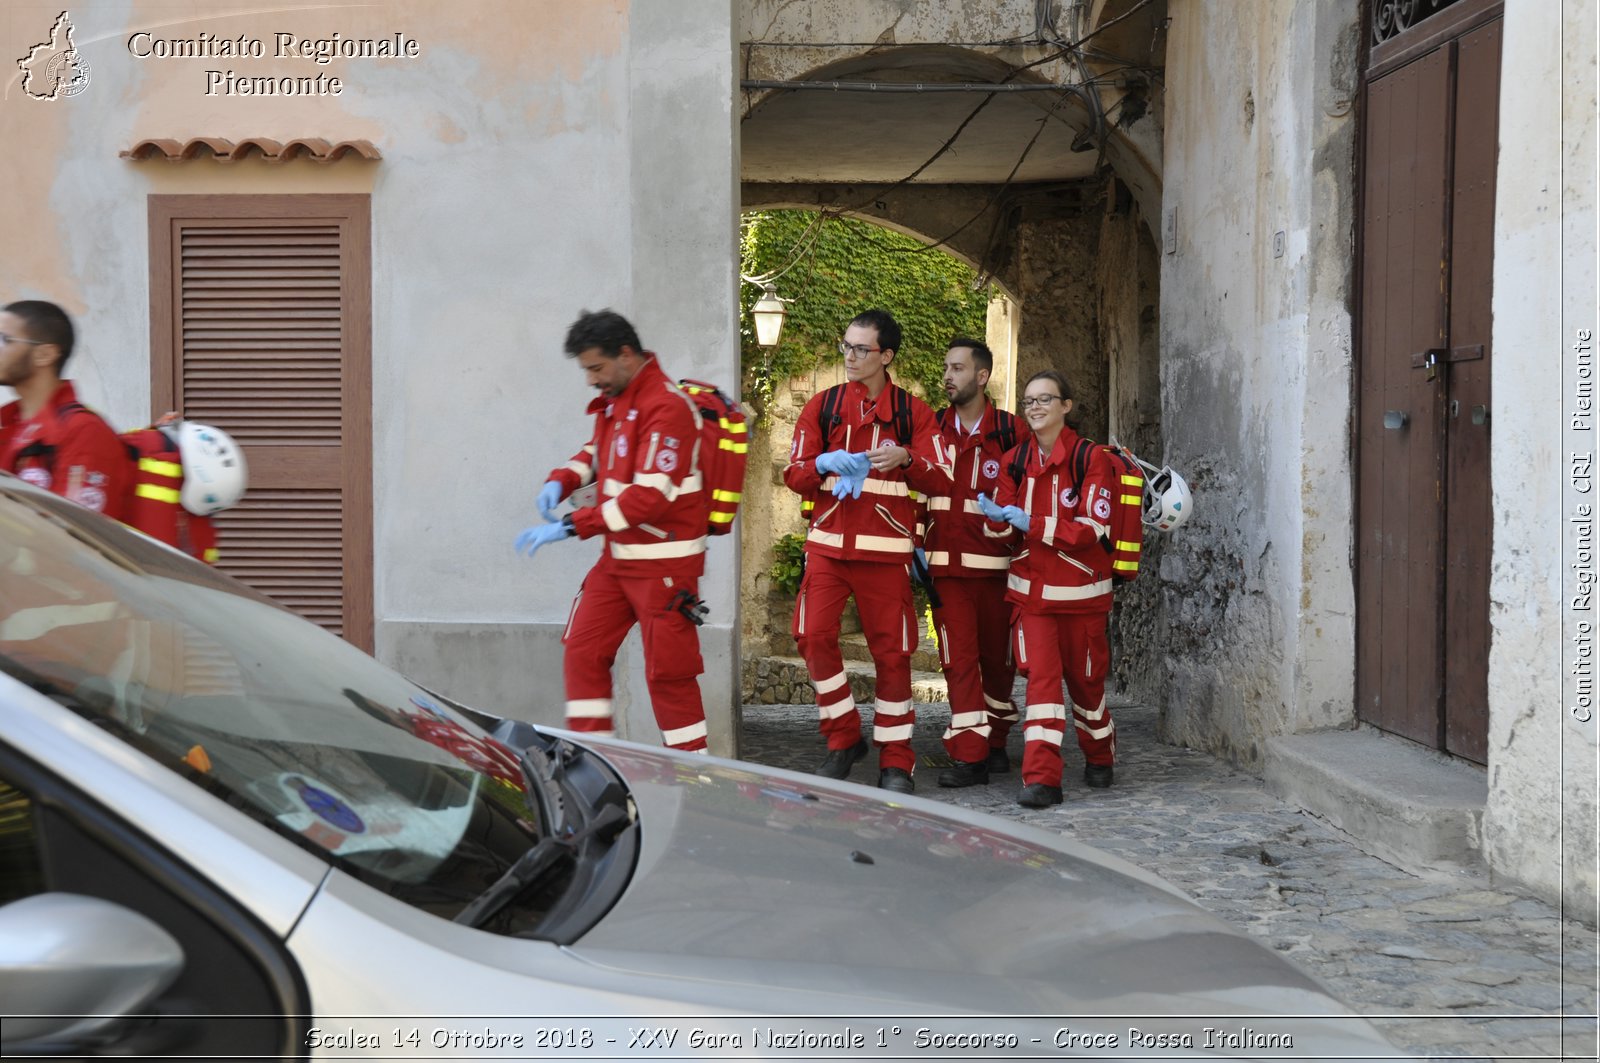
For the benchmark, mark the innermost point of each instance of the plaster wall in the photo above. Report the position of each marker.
(1540, 824)
(1256, 370)
(539, 158)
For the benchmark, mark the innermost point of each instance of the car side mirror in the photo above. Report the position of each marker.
(70, 966)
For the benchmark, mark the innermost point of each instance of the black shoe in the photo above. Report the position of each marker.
(837, 764)
(1038, 795)
(1097, 776)
(999, 762)
(962, 773)
(896, 779)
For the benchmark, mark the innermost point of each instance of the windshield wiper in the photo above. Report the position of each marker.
(541, 774)
(535, 865)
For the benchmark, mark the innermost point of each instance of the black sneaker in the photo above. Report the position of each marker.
(1097, 776)
(999, 762)
(837, 764)
(962, 773)
(896, 779)
(1038, 795)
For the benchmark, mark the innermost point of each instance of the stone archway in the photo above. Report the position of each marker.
(1043, 173)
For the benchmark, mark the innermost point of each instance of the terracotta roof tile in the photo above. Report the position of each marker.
(314, 148)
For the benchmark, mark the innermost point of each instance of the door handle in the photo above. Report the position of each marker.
(1395, 419)
(1480, 414)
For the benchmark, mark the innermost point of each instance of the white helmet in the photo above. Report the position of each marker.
(1167, 502)
(214, 471)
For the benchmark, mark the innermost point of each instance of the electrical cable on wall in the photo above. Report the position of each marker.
(1085, 88)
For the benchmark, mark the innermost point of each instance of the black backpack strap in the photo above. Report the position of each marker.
(942, 418)
(1018, 468)
(1005, 430)
(1080, 461)
(901, 402)
(828, 418)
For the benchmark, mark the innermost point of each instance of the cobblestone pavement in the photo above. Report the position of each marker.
(1446, 964)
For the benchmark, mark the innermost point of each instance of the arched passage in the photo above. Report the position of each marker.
(1043, 174)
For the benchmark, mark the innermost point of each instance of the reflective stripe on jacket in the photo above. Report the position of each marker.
(879, 525)
(1061, 566)
(954, 539)
(645, 455)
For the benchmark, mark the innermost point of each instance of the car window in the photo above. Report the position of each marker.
(21, 872)
(291, 724)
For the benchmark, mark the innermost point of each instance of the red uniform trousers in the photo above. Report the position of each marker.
(606, 607)
(974, 625)
(1052, 647)
(882, 591)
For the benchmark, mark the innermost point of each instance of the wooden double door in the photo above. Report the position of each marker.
(1426, 256)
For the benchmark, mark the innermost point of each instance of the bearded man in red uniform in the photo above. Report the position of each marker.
(653, 512)
(968, 567)
(47, 436)
(859, 449)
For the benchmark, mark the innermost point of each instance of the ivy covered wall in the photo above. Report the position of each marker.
(831, 268)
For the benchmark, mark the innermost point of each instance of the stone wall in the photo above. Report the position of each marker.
(1256, 371)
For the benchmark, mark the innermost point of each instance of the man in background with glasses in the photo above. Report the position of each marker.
(47, 436)
(859, 449)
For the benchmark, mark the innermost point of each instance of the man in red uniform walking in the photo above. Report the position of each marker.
(653, 511)
(968, 567)
(858, 450)
(47, 436)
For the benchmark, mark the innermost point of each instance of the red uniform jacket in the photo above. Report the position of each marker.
(1061, 566)
(645, 453)
(955, 537)
(879, 525)
(66, 448)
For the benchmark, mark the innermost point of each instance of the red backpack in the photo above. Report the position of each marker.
(157, 485)
(724, 450)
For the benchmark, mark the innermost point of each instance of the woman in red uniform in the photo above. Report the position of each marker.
(1055, 497)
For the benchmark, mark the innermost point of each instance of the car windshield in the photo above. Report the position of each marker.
(279, 718)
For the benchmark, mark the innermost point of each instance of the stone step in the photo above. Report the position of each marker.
(784, 681)
(925, 658)
(1406, 804)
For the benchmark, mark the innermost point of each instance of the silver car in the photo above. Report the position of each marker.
(224, 831)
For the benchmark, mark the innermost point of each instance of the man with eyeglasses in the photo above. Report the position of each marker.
(859, 449)
(968, 566)
(47, 436)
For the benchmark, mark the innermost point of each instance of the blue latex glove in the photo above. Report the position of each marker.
(989, 509)
(849, 485)
(844, 463)
(549, 499)
(532, 538)
(922, 558)
(1015, 516)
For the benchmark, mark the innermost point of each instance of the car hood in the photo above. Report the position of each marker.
(770, 879)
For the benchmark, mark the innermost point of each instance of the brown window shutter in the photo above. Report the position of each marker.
(261, 326)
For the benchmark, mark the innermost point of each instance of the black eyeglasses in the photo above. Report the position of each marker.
(860, 350)
(1039, 400)
(7, 340)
